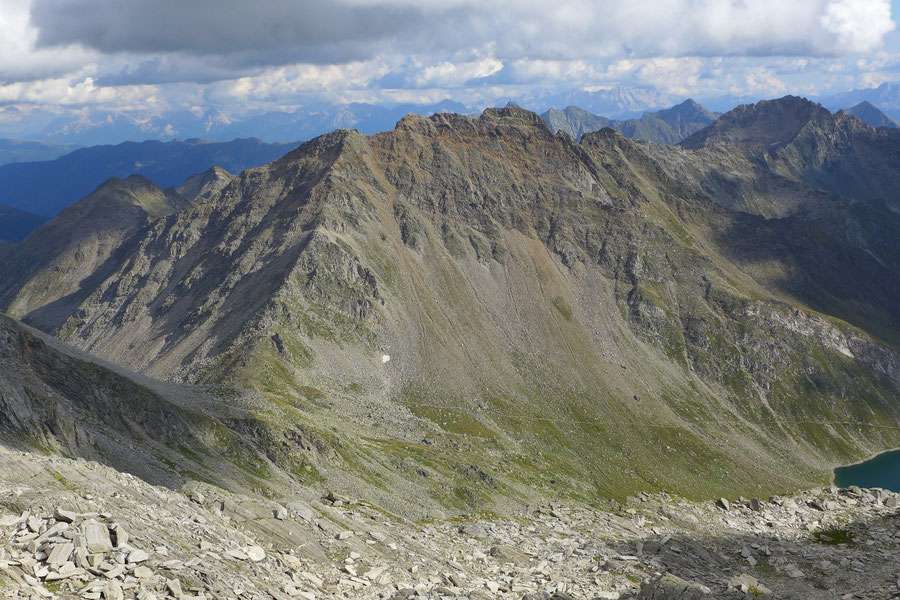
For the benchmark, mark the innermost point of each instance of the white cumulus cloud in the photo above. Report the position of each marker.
(858, 25)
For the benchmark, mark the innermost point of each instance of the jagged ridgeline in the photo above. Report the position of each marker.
(668, 126)
(560, 318)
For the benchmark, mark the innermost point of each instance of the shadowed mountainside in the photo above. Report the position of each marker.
(54, 398)
(15, 225)
(53, 268)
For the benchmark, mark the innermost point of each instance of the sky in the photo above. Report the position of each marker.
(70, 56)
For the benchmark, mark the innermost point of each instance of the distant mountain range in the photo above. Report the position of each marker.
(24, 150)
(15, 225)
(871, 115)
(103, 127)
(668, 126)
(99, 127)
(618, 102)
(886, 97)
(621, 103)
(46, 187)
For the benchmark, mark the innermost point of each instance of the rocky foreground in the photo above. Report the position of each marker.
(77, 529)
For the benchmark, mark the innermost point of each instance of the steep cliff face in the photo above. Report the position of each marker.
(482, 303)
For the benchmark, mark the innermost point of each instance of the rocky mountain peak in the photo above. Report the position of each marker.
(135, 192)
(326, 145)
(871, 115)
(133, 183)
(203, 186)
(514, 113)
(508, 123)
(687, 111)
(766, 124)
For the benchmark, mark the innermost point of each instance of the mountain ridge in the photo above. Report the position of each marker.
(757, 125)
(509, 294)
(667, 126)
(16, 150)
(803, 142)
(52, 263)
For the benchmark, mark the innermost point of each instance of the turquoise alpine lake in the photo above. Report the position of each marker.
(882, 471)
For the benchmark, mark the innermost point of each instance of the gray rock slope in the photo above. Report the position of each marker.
(77, 529)
(59, 400)
(478, 310)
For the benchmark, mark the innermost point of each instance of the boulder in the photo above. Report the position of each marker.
(255, 553)
(96, 537)
(672, 587)
(506, 554)
(750, 586)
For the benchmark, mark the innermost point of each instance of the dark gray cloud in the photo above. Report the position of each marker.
(279, 32)
(259, 32)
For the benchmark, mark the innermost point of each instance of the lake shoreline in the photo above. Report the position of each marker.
(859, 462)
